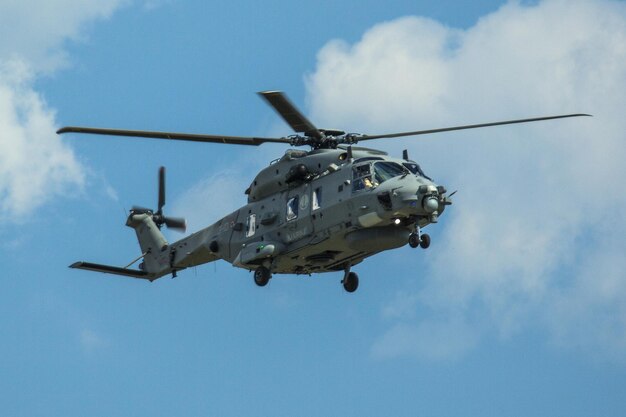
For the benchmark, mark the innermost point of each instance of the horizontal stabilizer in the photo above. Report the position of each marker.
(108, 269)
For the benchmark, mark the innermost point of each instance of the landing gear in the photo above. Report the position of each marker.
(262, 276)
(418, 238)
(350, 281)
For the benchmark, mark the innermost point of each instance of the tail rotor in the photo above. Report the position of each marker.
(175, 223)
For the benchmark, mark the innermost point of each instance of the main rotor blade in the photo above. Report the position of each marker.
(233, 140)
(448, 129)
(298, 122)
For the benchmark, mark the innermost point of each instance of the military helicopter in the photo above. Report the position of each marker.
(321, 210)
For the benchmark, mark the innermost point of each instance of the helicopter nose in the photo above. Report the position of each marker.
(430, 204)
(429, 198)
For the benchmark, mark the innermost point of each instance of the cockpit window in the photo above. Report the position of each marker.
(361, 170)
(415, 169)
(369, 176)
(386, 170)
(361, 177)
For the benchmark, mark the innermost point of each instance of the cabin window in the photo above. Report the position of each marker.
(292, 208)
(251, 225)
(317, 199)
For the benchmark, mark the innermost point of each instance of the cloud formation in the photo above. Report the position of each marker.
(35, 165)
(35, 31)
(536, 234)
(212, 198)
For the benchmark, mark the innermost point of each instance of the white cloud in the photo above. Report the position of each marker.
(430, 340)
(211, 199)
(90, 341)
(150, 5)
(35, 31)
(537, 232)
(35, 165)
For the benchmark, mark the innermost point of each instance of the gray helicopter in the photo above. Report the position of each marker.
(321, 210)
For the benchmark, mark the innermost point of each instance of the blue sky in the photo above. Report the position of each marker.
(516, 309)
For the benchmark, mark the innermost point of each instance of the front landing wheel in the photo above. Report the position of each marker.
(425, 242)
(262, 276)
(350, 282)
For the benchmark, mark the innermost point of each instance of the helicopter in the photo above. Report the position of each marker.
(325, 209)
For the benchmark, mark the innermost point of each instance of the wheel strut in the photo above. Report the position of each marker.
(417, 238)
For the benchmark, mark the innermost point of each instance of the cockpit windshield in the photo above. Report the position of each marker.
(415, 169)
(385, 170)
(371, 175)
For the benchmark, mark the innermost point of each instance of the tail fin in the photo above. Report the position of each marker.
(147, 224)
(151, 241)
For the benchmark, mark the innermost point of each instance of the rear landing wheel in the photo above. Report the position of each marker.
(262, 276)
(350, 282)
(414, 240)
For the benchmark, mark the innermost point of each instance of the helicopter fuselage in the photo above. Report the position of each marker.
(309, 212)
